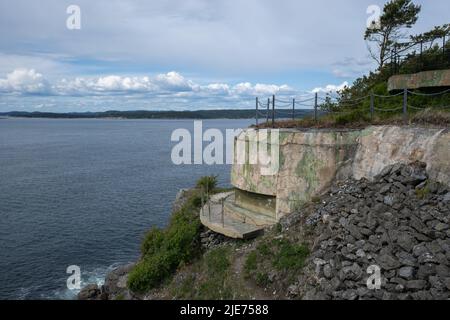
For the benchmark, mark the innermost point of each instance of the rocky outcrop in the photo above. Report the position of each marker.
(92, 292)
(114, 288)
(399, 222)
(382, 146)
(116, 283)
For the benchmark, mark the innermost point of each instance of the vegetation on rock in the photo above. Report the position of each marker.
(163, 251)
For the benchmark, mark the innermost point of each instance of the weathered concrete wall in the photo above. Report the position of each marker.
(425, 79)
(308, 162)
(311, 160)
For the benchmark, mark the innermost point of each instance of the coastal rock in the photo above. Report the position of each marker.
(90, 292)
(116, 282)
(399, 222)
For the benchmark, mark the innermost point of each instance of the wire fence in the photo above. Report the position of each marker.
(288, 108)
(419, 49)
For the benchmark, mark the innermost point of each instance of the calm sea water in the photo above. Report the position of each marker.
(84, 192)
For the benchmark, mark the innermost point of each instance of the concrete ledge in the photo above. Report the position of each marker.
(230, 226)
(425, 79)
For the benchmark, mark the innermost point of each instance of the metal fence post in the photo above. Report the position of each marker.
(372, 105)
(208, 200)
(268, 106)
(315, 107)
(273, 111)
(223, 219)
(443, 47)
(257, 102)
(293, 109)
(405, 105)
(203, 202)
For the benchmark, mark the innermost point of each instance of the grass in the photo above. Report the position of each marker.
(356, 120)
(163, 251)
(282, 255)
(290, 256)
(209, 278)
(423, 193)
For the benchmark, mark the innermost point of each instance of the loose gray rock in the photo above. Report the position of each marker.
(382, 223)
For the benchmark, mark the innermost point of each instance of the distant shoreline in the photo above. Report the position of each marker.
(175, 115)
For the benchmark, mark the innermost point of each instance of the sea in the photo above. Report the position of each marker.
(83, 192)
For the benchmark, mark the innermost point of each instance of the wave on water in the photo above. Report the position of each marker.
(94, 276)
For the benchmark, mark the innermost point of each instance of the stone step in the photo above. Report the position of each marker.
(247, 216)
(211, 217)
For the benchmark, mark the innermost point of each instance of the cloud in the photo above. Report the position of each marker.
(24, 81)
(28, 81)
(331, 88)
(261, 89)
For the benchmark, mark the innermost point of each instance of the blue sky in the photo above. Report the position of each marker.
(181, 54)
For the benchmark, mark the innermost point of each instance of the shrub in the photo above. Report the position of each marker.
(164, 250)
(207, 183)
(290, 256)
(152, 242)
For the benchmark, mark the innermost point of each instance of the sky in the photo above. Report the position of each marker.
(182, 54)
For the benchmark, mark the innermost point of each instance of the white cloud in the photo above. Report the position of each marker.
(259, 89)
(331, 88)
(162, 91)
(24, 81)
(28, 81)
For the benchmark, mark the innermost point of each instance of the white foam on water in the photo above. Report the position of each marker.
(94, 276)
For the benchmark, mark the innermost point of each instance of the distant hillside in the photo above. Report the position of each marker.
(199, 114)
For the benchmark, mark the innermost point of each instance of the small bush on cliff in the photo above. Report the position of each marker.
(164, 250)
(207, 183)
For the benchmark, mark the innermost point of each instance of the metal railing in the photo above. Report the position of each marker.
(316, 104)
(419, 49)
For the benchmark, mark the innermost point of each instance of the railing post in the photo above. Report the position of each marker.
(293, 109)
(315, 107)
(372, 105)
(203, 203)
(395, 57)
(443, 47)
(256, 116)
(268, 106)
(405, 105)
(209, 202)
(273, 111)
(223, 219)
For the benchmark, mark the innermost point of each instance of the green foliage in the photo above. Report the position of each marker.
(397, 15)
(423, 193)
(217, 261)
(351, 117)
(264, 249)
(207, 183)
(163, 251)
(283, 255)
(278, 228)
(262, 279)
(213, 280)
(251, 263)
(290, 256)
(153, 241)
